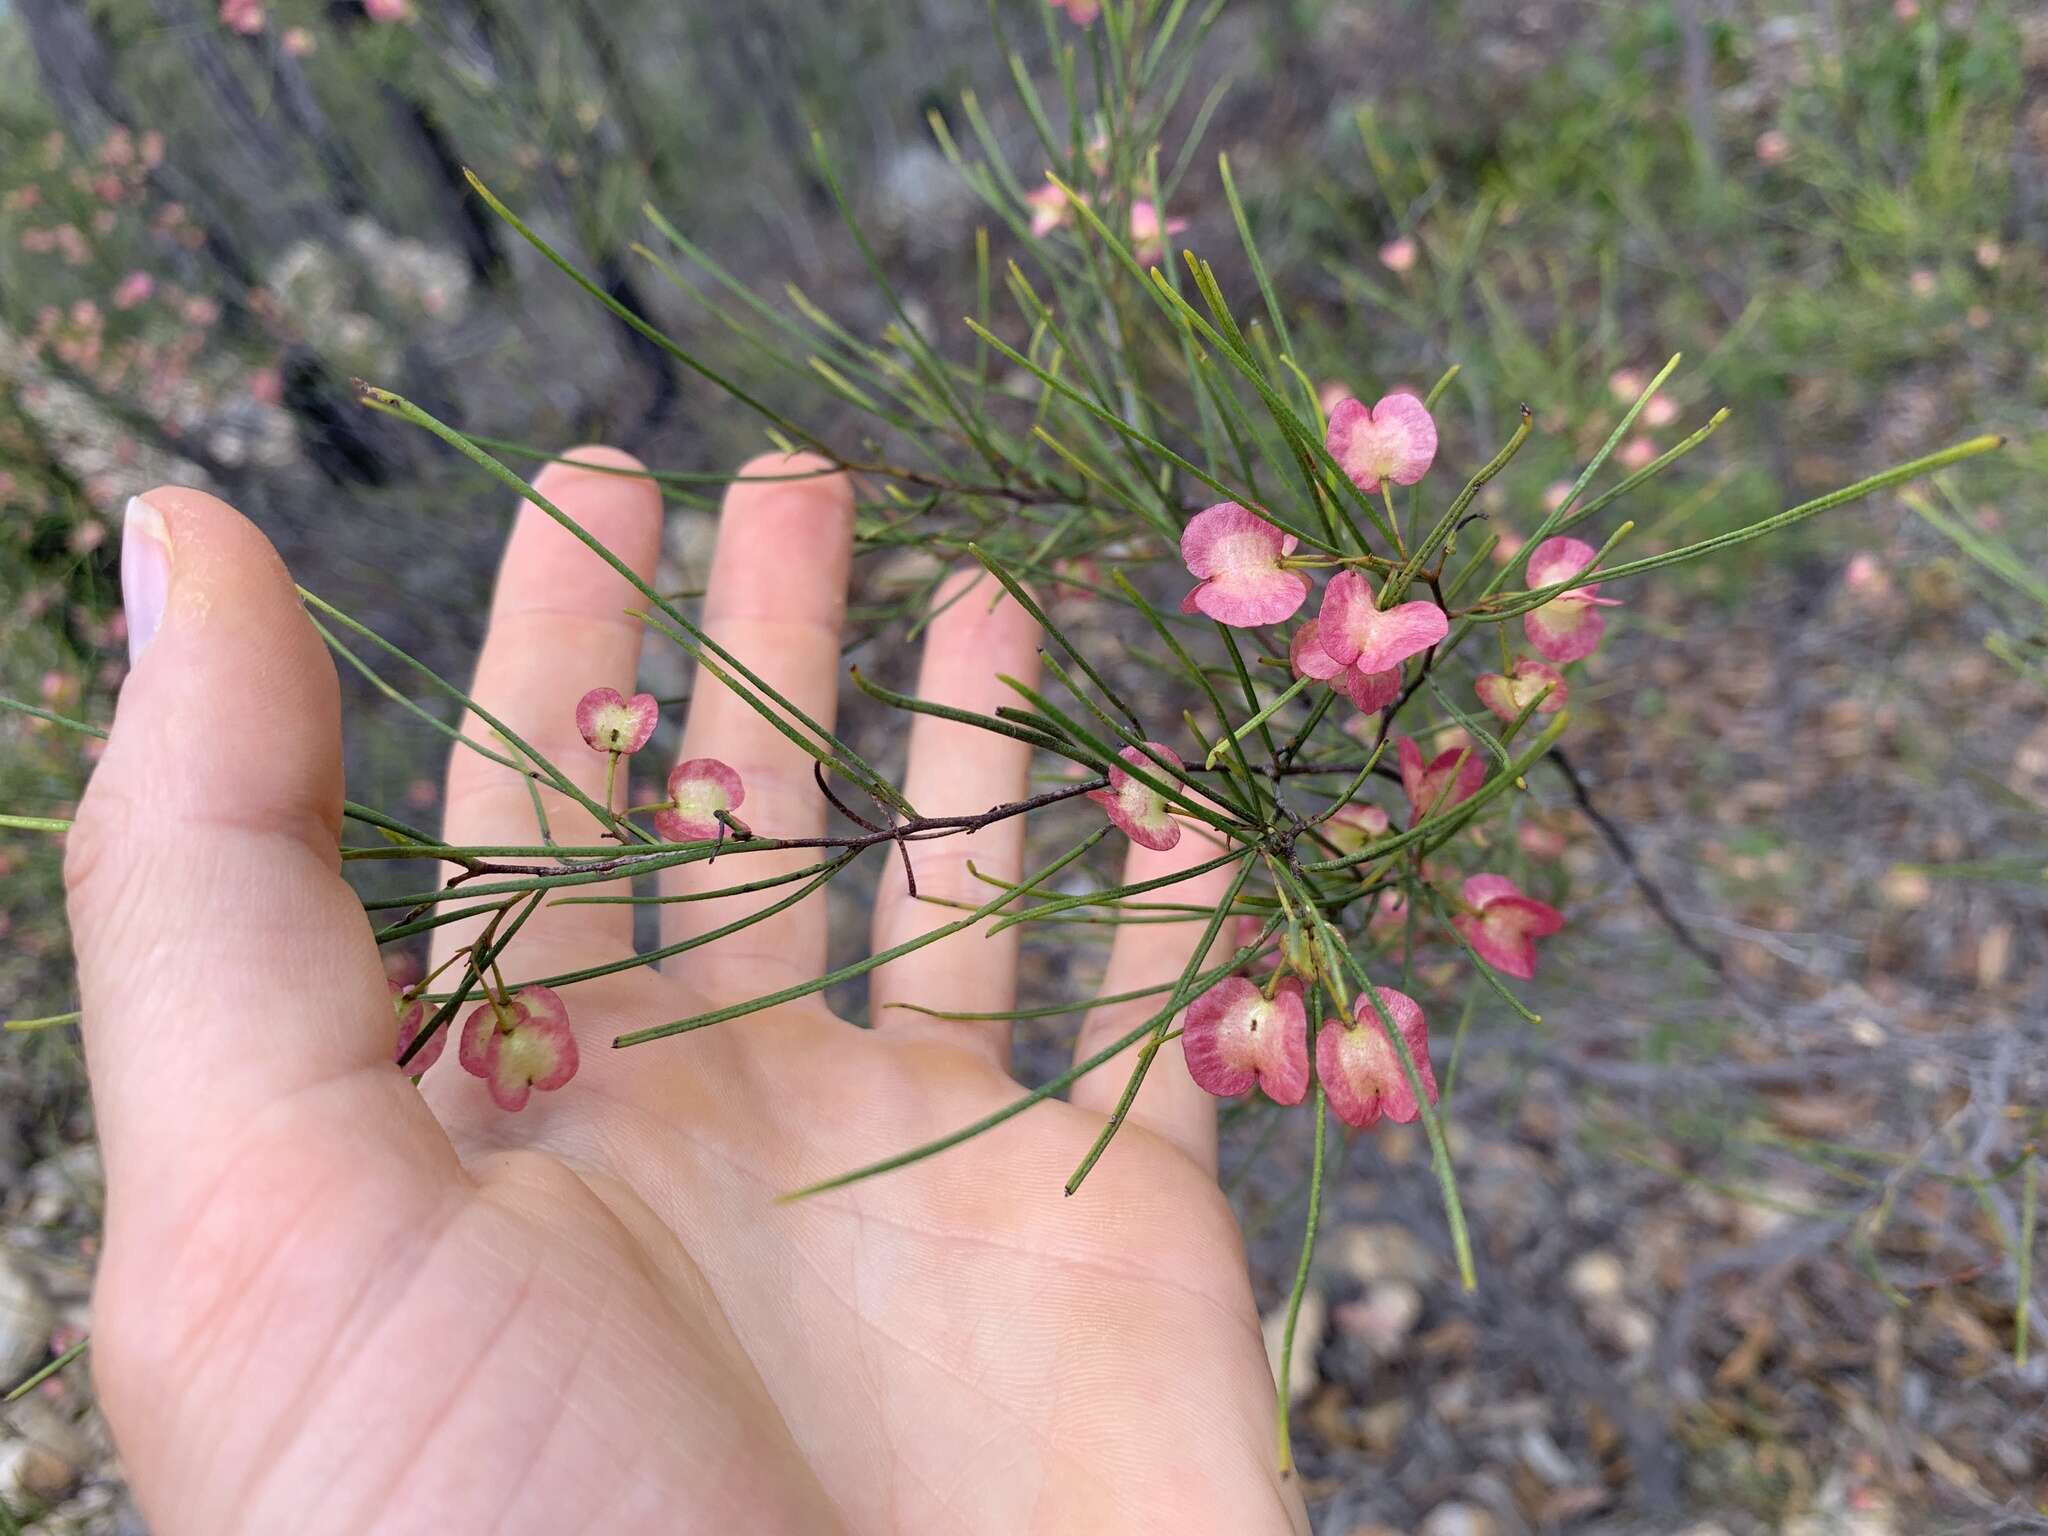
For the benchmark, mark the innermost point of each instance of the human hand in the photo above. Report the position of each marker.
(332, 1301)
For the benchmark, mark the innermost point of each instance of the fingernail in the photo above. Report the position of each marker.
(145, 573)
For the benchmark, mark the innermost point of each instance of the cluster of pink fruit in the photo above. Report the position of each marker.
(1240, 1034)
(519, 1040)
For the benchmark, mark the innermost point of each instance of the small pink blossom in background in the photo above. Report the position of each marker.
(118, 147)
(1395, 440)
(1503, 925)
(1354, 631)
(1075, 577)
(1773, 146)
(1361, 1071)
(299, 42)
(1080, 12)
(1389, 919)
(1569, 626)
(1235, 555)
(85, 314)
(412, 1014)
(56, 688)
(1244, 931)
(21, 199)
(104, 221)
(1135, 808)
(81, 353)
(520, 1045)
(1866, 578)
(1660, 410)
(1330, 394)
(1451, 777)
(243, 16)
(1398, 255)
(1923, 283)
(266, 385)
(1050, 208)
(1990, 254)
(700, 788)
(132, 290)
(1906, 10)
(611, 722)
(1148, 240)
(1539, 841)
(387, 10)
(1353, 826)
(422, 793)
(1635, 453)
(1369, 691)
(1625, 384)
(200, 310)
(88, 536)
(1556, 494)
(1507, 544)
(65, 1336)
(152, 150)
(1235, 1037)
(1507, 696)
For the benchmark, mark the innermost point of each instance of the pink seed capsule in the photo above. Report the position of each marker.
(1569, 626)
(1359, 1068)
(1395, 440)
(1235, 1037)
(1235, 556)
(519, 1045)
(1136, 809)
(1502, 925)
(700, 788)
(610, 722)
(412, 1017)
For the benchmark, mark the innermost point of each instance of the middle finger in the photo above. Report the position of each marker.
(776, 601)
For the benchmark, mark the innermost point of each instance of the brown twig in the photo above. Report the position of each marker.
(922, 829)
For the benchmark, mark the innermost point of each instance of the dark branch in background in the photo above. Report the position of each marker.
(1625, 851)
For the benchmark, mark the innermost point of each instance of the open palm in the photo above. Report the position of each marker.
(333, 1302)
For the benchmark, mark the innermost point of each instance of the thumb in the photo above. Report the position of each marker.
(224, 965)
